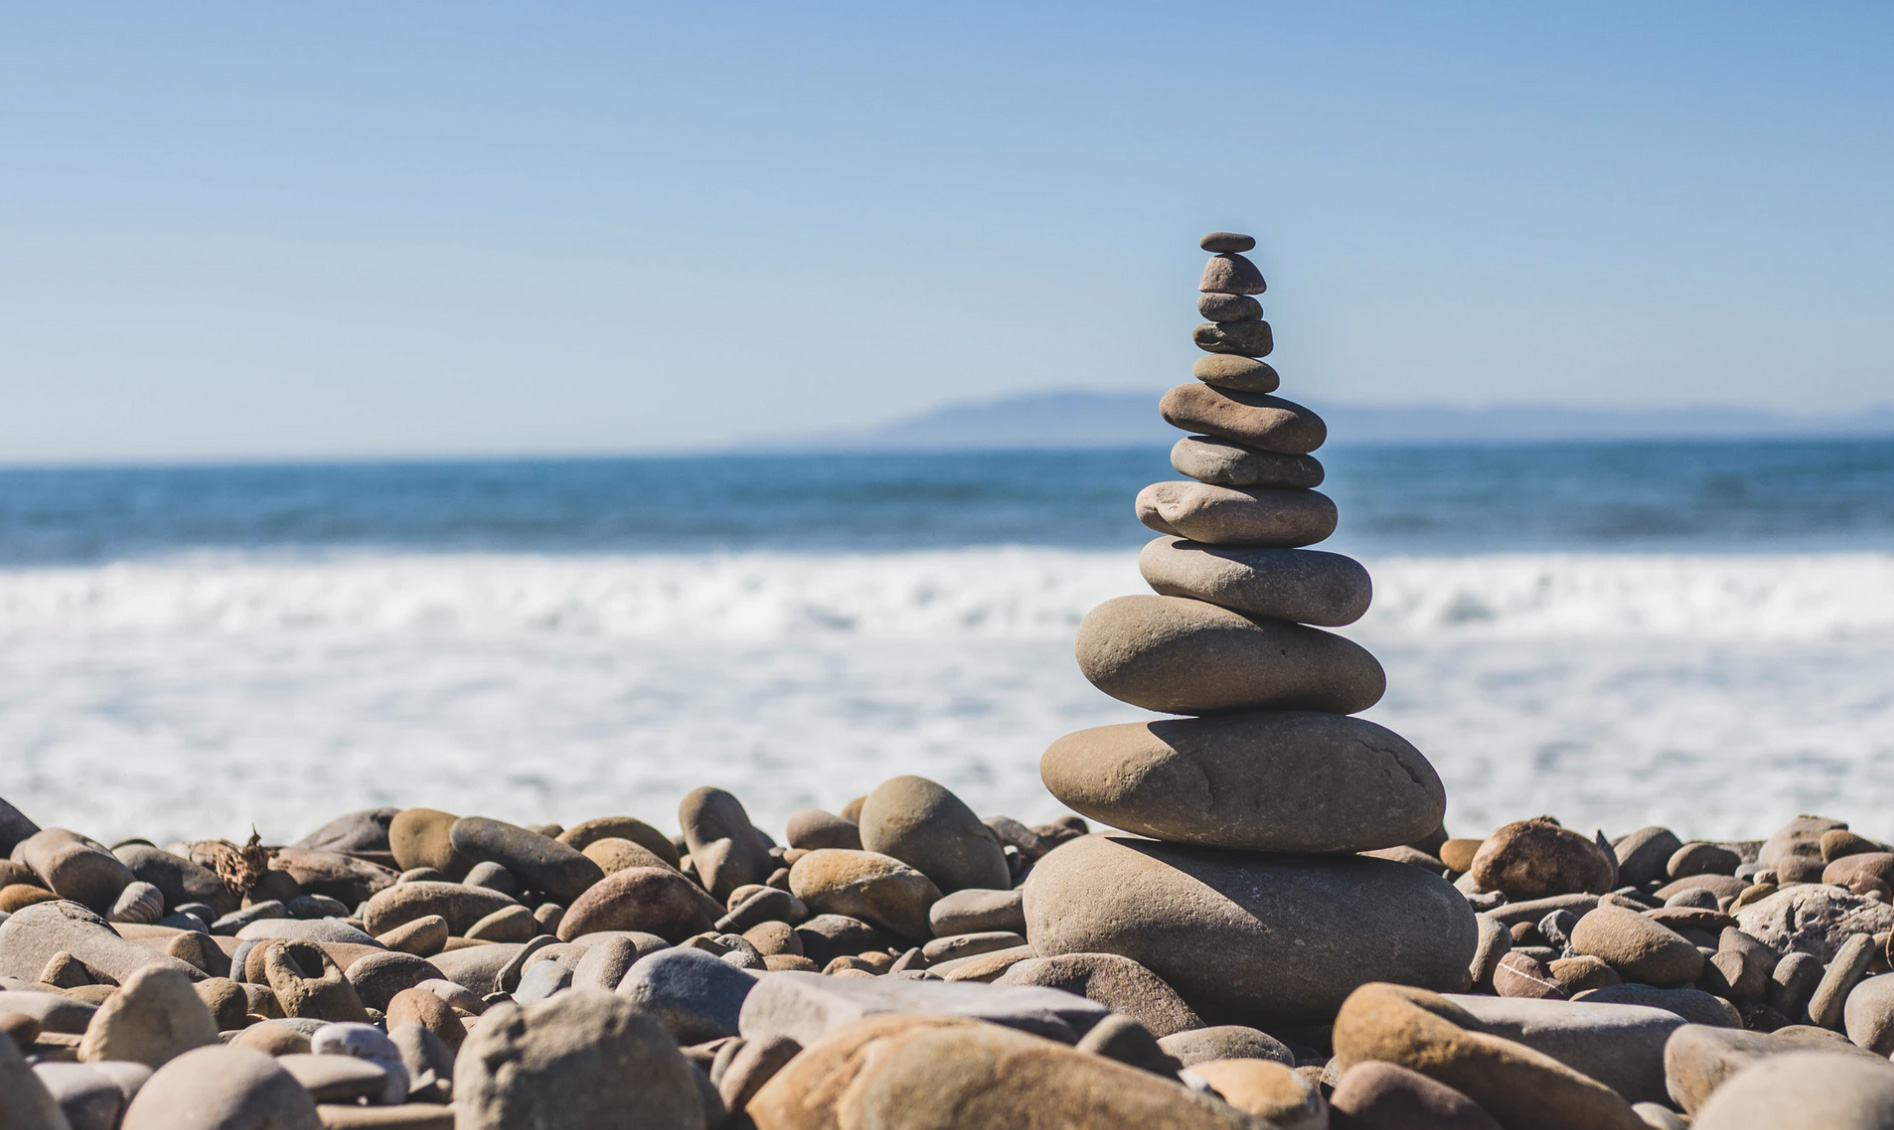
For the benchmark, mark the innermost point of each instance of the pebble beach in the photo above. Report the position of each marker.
(1243, 903)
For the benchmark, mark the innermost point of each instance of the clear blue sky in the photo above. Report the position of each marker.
(418, 228)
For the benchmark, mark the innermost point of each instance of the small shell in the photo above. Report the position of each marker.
(139, 903)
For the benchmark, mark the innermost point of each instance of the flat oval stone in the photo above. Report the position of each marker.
(1307, 586)
(652, 900)
(1188, 657)
(462, 906)
(1261, 516)
(1253, 419)
(1229, 308)
(863, 884)
(1257, 940)
(1228, 464)
(544, 863)
(1637, 947)
(1285, 782)
(587, 832)
(1230, 370)
(1230, 273)
(1245, 339)
(1220, 242)
(1803, 1089)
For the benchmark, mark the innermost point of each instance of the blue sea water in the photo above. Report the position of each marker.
(1642, 497)
(1697, 633)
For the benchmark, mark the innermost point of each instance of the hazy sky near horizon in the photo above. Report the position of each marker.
(241, 230)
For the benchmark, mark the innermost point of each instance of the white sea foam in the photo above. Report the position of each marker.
(1721, 693)
(990, 594)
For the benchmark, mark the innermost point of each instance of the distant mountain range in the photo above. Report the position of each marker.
(1103, 419)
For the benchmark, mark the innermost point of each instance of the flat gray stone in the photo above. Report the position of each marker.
(32, 935)
(315, 929)
(805, 1006)
(973, 910)
(222, 1088)
(1219, 515)
(1225, 1041)
(1182, 656)
(55, 1012)
(1620, 1045)
(1803, 1091)
(1308, 586)
(1259, 940)
(1267, 781)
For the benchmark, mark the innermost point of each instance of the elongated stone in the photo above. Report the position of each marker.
(1229, 464)
(1307, 586)
(1189, 657)
(1230, 370)
(1246, 339)
(1287, 782)
(1225, 241)
(1253, 419)
(1260, 940)
(1260, 516)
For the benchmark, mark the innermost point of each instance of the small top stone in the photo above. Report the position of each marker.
(1220, 241)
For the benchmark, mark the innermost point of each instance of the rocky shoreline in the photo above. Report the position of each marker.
(1281, 934)
(904, 958)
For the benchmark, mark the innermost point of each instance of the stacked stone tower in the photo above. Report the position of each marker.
(1247, 894)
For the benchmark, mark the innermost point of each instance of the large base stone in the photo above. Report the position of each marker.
(1265, 941)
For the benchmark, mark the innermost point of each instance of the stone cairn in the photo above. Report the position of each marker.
(1248, 896)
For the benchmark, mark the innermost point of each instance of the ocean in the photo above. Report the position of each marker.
(1692, 633)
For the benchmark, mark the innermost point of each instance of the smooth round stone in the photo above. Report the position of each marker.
(1258, 516)
(1383, 1096)
(1229, 308)
(1230, 273)
(420, 837)
(812, 828)
(75, 868)
(586, 832)
(1869, 1014)
(651, 900)
(1245, 339)
(1638, 948)
(1225, 1041)
(924, 825)
(1803, 1090)
(905, 1072)
(1230, 370)
(542, 863)
(1253, 419)
(1115, 981)
(402, 903)
(1283, 782)
(1306, 586)
(222, 1088)
(613, 854)
(1517, 1084)
(154, 1017)
(1182, 656)
(1222, 242)
(1644, 855)
(1530, 859)
(1257, 940)
(1223, 463)
(875, 888)
(972, 911)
